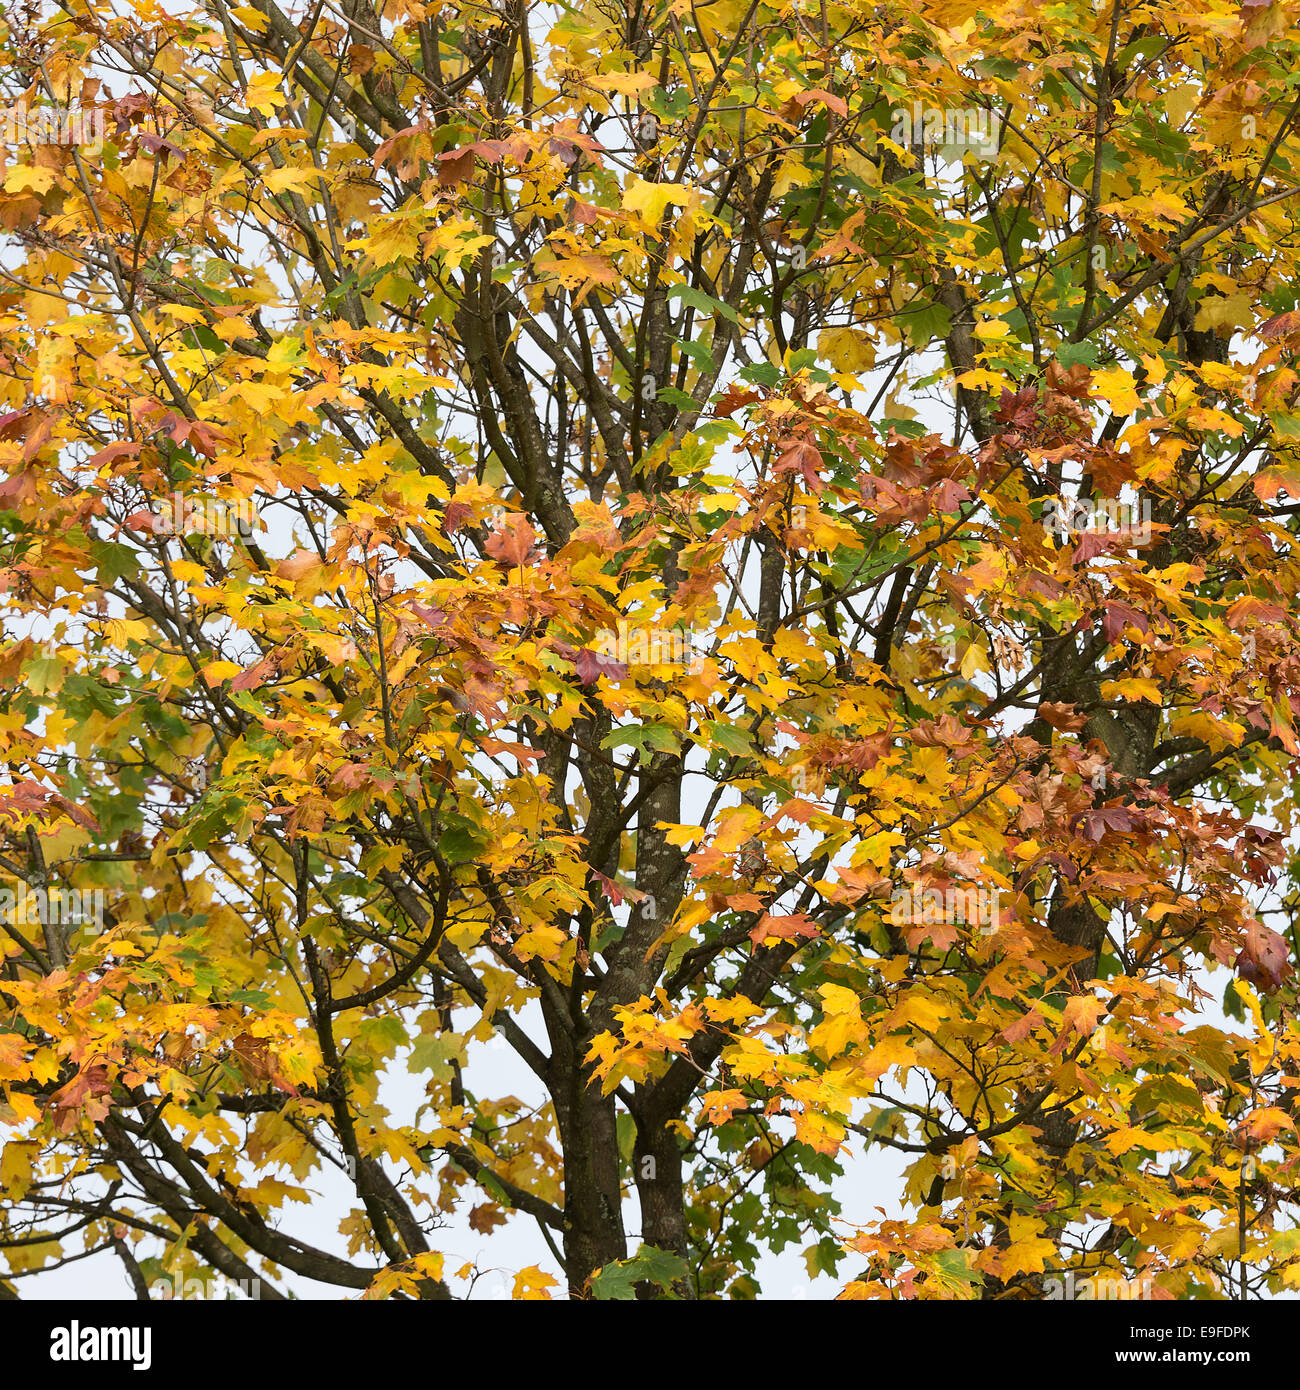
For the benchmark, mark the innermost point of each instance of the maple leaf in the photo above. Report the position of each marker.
(298, 565)
(1093, 543)
(485, 1217)
(14, 424)
(455, 166)
(1264, 960)
(1080, 1017)
(825, 98)
(432, 617)
(733, 399)
(945, 732)
(18, 488)
(160, 144)
(1062, 716)
(949, 494)
(1280, 326)
(82, 1098)
(1019, 409)
(1118, 616)
(786, 927)
(1096, 823)
(259, 673)
(802, 456)
(123, 449)
(513, 541)
(591, 665)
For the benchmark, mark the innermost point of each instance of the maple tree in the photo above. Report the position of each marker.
(677, 564)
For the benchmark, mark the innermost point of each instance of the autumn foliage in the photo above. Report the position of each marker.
(578, 526)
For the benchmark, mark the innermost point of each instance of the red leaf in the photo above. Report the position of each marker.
(513, 540)
(386, 148)
(617, 894)
(733, 400)
(455, 516)
(1062, 716)
(1280, 325)
(802, 456)
(1119, 616)
(258, 674)
(1020, 410)
(125, 448)
(83, 1092)
(1092, 543)
(20, 488)
(949, 494)
(431, 617)
(788, 928)
(455, 166)
(77, 813)
(1097, 823)
(13, 424)
(160, 144)
(1263, 961)
(591, 665)
(836, 104)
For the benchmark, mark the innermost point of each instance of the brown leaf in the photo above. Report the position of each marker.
(1064, 717)
(298, 565)
(513, 540)
(258, 674)
(1263, 960)
(828, 99)
(455, 166)
(591, 665)
(802, 456)
(485, 1216)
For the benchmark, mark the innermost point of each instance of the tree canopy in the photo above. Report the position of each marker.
(746, 551)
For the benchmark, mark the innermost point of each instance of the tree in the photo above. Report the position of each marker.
(744, 550)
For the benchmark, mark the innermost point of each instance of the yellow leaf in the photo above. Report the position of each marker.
(531, 1284)
(624, 83)
(981, 379)
(16, 1167)
(1118, 388)
(217, 671)
(847, 349)
(24, 177)
(1136, 688)
(648, 201)
(1225, 311)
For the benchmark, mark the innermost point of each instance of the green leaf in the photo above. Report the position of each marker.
(955, 1264)
(1233, 1006)
(727, 736)
(760, 374)
(650, 1265)
(661, 737)
(923, 326)
(697, 299)
(1071, 354)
